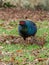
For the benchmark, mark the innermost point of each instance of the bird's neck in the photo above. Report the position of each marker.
(24, 28)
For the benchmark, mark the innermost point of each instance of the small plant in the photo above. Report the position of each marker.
(13, 23)
(38, 7)
(8, 5)
(1, 3)
(41, 7)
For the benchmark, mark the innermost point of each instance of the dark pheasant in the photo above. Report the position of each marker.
(27, 28)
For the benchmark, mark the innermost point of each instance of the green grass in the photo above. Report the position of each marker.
(43, 27)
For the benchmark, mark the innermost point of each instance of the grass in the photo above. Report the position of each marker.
(25, 51)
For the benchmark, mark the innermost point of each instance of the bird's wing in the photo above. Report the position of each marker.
(31, 27)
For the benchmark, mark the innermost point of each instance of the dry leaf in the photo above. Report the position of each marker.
(19, 51)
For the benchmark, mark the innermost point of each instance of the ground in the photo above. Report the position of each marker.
(20, 54)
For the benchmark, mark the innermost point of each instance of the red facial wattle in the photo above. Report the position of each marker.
(22, 22)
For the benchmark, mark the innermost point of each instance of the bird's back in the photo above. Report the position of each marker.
(32, 28)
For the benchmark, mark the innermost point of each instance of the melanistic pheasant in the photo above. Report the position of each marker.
(27, 28)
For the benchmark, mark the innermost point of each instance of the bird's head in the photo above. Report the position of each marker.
(22, 23)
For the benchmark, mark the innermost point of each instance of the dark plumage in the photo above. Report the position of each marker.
(27, 28)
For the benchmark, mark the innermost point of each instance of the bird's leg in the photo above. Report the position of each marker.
(24, 38)
(33, 39)
(28, 40)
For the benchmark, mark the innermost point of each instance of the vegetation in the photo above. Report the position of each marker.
(19, 53)
(8, 5)
(33, 4)
(24, 54)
